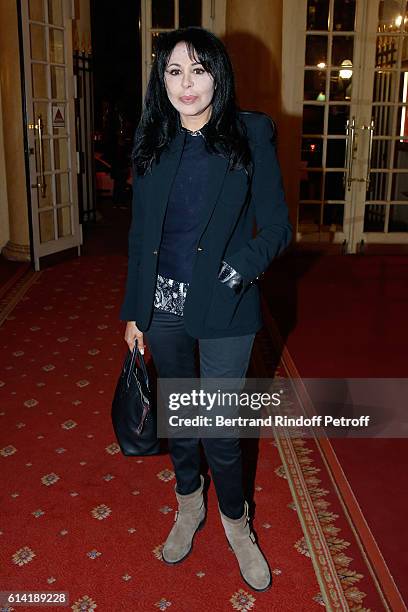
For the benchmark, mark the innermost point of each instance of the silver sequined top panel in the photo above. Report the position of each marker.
(170, 295)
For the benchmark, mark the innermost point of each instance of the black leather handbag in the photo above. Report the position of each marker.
(133, 415)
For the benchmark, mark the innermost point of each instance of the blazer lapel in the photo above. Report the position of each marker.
(217, 170)
(161, 180)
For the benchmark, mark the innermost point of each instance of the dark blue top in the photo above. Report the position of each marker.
(183, 214)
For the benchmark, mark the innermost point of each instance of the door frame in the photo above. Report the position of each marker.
(74, 240)
(361, 238)
(293, 54)
(213, 19)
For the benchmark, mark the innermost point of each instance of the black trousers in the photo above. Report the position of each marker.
(173, 353)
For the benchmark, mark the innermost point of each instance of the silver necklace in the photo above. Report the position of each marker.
(196, 133)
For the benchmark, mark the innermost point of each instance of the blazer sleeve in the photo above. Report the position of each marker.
(274, 230)
(127, 311)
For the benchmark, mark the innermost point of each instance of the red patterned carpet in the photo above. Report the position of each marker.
(79, 517)
(344, 317)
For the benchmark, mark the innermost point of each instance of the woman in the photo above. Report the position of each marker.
(204, 171)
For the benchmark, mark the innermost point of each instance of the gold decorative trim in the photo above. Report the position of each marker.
(377, 568)
(10, 300)
(336, 580)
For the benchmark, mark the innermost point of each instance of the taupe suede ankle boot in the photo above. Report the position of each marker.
(189, 518)
(253, 565)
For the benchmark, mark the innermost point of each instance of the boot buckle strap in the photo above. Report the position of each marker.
(252, 537)
(176, 515)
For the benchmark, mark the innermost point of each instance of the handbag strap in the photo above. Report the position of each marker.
(132, 356)
(143, 367)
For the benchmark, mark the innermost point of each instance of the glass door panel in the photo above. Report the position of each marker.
(64, 221)
(384, 207)
(398, 218)
(55, 12)
(47, 39)
(37, 42)
(56, 46)
(317, 14)
(46, 224)
(353, 87)
(344, 15)
(330, 84)
(36, 10)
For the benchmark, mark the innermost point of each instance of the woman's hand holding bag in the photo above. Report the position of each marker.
(133, 335)
(133, 415)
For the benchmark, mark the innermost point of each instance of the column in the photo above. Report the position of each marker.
(18, 246)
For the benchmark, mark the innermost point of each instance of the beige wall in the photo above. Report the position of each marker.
(14, 233)
(13, 143)
(81, 27)
(4, 216)
(254, 41)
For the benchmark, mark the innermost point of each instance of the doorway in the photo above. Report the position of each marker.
(50, 125)
(350, 63)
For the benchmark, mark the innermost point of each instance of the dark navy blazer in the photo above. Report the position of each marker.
(233, 205)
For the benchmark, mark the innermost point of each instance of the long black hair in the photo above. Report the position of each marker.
(225, 131)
